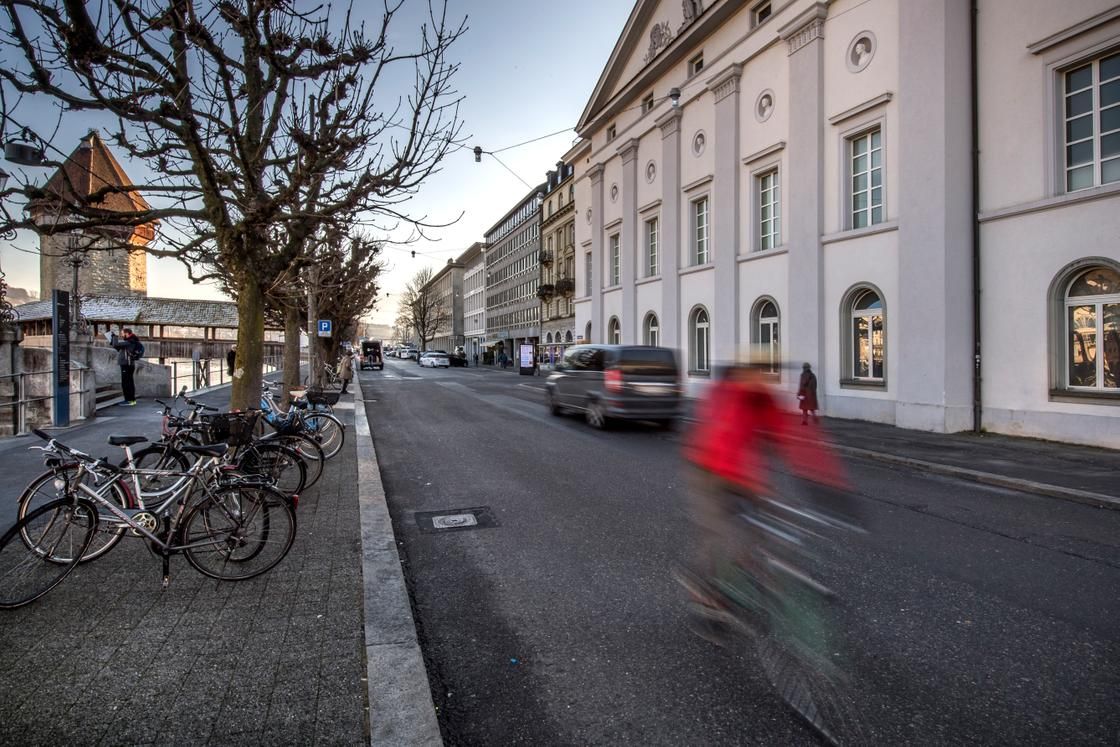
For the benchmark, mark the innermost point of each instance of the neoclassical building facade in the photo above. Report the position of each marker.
(557, 263)
(808, 179)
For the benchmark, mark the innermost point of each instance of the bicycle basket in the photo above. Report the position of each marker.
(235, 428)
(319, 397)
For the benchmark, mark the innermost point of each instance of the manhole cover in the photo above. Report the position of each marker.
(455, 519)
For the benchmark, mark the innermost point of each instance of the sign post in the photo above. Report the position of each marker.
(60, 330)
(324, 328)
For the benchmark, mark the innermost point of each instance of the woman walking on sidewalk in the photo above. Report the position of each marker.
(346, 369)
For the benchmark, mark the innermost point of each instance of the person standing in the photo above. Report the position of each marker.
(231, 360)
(196, 364)
(129, 350)
(807, 394)
(346, 369)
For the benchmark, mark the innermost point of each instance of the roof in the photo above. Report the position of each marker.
(90, 169)
(187, 312)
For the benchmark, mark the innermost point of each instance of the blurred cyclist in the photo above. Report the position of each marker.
(739, 422)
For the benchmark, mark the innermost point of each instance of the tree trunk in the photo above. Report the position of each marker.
(291, 351)
(247, 373)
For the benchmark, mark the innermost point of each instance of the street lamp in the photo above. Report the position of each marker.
(3, 179)
(674, 97)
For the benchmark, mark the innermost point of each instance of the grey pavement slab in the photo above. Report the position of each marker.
(109, 658)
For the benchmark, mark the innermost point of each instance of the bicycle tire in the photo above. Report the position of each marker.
(238, 532)
(44, 489)
(282, 464)
(327, 430)
(29, 572)
(308, 449)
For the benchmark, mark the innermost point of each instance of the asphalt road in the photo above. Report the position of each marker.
(971, 614)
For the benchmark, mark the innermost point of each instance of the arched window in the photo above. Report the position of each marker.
(548, 339)
(700, 339)
(1092, 330)
(587, 333)
(614, 331)
(765, 334)
(867, 336)
(651, 330)
(568, 336)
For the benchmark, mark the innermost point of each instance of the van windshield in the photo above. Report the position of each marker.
(647, 362)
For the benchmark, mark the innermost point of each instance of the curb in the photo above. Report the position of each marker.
(401, 710)
(1086, 497)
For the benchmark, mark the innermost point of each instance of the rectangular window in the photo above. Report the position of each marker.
(866, 169)
(616, 260)
(647, 103)
(769, 212)
(700, 253)
(760, 13)
(696, 64)
(1091, 115)
(587, 272)
(651, 247)
(612, 131)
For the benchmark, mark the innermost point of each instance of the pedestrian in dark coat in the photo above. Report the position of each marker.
(231, 360)
(128, 350)
(807, 394)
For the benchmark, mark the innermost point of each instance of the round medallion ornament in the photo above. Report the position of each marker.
(651, 172)
(588, 216)
(860, 51)
(699, 140)
(764, 105)
(614, 193)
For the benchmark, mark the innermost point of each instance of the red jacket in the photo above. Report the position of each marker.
(740, 428)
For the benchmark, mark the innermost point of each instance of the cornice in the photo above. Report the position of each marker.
(861, 108)
(767, 151)
(1077, 29)
(806, 27)
(725, 82)
(595, 174)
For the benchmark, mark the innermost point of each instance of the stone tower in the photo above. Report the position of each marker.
(113, 261)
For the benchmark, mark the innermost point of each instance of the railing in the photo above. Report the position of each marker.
(214, 373)
(26, 398)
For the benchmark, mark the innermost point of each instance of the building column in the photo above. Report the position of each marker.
(629, 239)
(931, 364)
(595, 173)
(802, 320)
(670, 125)
(725, 213)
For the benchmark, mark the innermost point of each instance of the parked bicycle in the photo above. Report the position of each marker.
(229, 526)
(299, 419)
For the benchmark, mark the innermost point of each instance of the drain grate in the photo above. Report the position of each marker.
(455, 519)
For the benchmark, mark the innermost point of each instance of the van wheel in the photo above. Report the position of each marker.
(596, 418)
(552, 406)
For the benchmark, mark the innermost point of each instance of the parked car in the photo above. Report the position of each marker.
(435, 359)
(371, 355)
(421, 355)
(407, 354)
(616, 382)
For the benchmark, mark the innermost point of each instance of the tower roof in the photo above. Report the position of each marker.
(90, 169)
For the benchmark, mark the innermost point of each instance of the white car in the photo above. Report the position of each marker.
(435, 360)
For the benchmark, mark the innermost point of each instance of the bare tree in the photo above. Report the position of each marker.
(421, 310)
(259, 121)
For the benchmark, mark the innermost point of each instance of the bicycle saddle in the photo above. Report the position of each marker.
(126, 440)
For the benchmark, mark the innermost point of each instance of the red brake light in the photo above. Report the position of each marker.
(612, 380)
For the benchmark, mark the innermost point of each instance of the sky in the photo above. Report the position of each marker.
(527, 69)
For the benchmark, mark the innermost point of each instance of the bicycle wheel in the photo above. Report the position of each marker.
(327, 430)
(276, 461)
(58, 529)
(59, 483)
(309, 450)
(238, 532)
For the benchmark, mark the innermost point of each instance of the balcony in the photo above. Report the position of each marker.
(544, 256)
(546, 292)
(565, 287)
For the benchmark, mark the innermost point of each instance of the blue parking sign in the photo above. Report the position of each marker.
(324, 328)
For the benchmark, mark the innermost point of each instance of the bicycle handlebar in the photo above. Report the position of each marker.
(54, 444)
